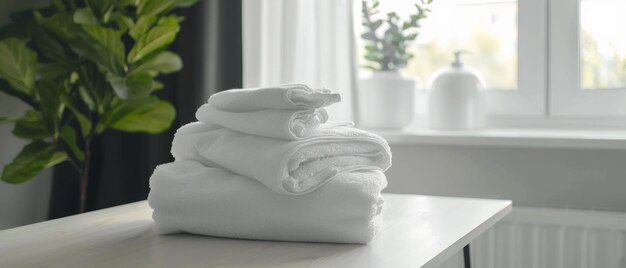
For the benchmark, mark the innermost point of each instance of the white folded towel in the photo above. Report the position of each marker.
(287, 167)
(281, 124)
(189, 197)
(288, 97)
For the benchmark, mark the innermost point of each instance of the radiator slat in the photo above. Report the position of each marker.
(536, 245)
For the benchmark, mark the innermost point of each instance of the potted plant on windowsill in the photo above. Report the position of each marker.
(83, 67)
(386, 98)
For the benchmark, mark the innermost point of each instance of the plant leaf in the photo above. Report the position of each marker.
(8, 89)
(141, 27)
(18, 65)
(156, 7)
(100, 7)
(373, 56)
(48, 92)
(102, 46)
(150, 115)
(118, 84)
(68, 135)
(165, 62)
(156, 85)
(54, 70)
(62, 24)
(371, 47)
(50, 48)
(57, 157)
(150, 119)
(26, 27)
(31, 126)
(85, 16)
(85, 124)
(132, 87)
(71, 4)
(124, 3)
(370, 67)
(93, 86)
(58, 5)
(370, 35)
(33, 158)
(411, 36)
(8, 120)
(158, 38)
(139, 86)
(123, 22)
(17, 29)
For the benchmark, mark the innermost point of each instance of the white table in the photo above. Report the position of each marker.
(418, 231)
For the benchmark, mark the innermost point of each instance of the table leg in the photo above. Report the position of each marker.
(467, 262)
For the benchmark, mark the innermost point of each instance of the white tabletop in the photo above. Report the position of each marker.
(418, 231)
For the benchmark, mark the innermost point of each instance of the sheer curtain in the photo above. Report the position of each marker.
(301, 41)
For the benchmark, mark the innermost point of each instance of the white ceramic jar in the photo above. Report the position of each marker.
(455, 98)
(386, 100)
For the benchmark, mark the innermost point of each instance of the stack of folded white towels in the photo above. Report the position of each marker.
(264, 163)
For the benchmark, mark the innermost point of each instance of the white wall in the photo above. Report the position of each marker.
(24, 203)
(566, 178)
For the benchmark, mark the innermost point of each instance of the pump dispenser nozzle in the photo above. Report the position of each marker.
(457, 57)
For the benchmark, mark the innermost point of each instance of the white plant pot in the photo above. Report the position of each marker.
(386, 100)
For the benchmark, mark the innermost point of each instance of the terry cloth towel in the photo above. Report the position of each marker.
(281, 124)
(283, 97)
(287, 167)
(189, 197)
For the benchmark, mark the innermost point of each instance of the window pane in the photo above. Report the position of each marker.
(486, 28)
(603, 44)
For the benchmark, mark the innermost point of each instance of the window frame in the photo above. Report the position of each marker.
(567, 97)
(529, 99)
(549, 92)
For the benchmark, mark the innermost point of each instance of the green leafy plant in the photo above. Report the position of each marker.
(85, 66)
(388, 52)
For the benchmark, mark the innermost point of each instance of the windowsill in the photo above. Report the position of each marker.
(533, 138)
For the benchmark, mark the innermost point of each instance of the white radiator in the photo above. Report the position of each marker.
(550, 238)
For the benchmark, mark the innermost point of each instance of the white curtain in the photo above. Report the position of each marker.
(301, 41)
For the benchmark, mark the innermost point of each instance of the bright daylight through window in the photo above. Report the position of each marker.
(603, 44)
(486, 29)
(545, 59)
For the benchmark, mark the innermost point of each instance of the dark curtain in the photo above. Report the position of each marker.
(209, 44)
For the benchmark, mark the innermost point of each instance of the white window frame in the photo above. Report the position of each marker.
(549, 63)
(549, 93)
(567, 98)
(529, 99)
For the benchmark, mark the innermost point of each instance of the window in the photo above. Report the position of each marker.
(603, 44)
(487, 30)
(506, 40)
(587, 49)
(542, 59)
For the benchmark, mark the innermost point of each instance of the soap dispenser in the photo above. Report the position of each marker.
(455, 97)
